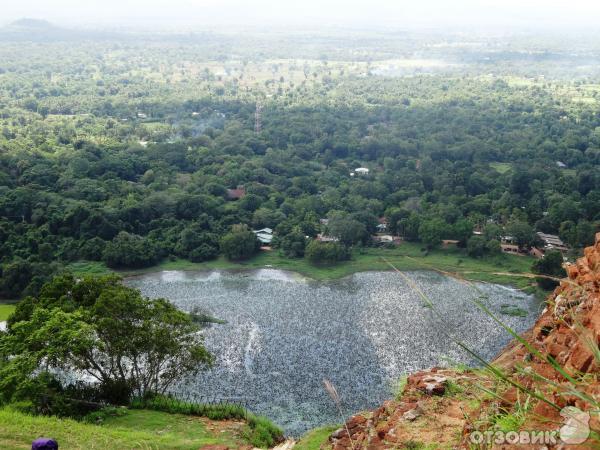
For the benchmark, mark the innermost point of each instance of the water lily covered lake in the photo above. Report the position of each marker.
(284, 334)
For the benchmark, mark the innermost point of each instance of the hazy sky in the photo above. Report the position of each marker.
(359, 13)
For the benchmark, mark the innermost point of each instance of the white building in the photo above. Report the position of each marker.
(264, 235)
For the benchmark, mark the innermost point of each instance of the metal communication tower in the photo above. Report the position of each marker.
(258, 118)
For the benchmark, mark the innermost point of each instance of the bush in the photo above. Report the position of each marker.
(44, 394)
(550, 265)
(326, 252)
(476, 246)
(431, 232)
(260, 431)
(92, 249)
(130, 250)
(293, 244)
(104, 413)
(164, 403)
(240, 243)
(196, 244)
(203, 253)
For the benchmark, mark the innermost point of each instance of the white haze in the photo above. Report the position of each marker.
(498, 14)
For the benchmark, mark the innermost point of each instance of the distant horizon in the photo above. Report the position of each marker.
(174, 27)
(467, 15)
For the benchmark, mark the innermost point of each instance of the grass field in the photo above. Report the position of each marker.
(136, 429)
(315, 438)
(500, 167)
(5, 311)
(502, 269)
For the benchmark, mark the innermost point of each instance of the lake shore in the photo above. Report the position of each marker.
(501, 269)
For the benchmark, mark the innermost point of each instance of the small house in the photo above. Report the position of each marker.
(361, 171)
(264, 235)
(386, 239)
(324, 238)
(382, 225)
(449, 242)
(237, 193)
(510, 248)
(507, 240)
(552, 242)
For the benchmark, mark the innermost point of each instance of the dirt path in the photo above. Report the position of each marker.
(287, 445)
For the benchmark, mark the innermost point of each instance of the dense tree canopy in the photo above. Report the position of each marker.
(132, 157)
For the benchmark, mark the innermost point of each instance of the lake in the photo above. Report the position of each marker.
(285, 334)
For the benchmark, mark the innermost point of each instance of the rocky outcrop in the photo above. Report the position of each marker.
(558, 361)
(427, 411)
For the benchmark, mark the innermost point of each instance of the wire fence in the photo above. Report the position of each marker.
(91, 395)
(211, 406)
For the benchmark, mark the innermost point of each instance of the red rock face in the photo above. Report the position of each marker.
(396, 423)
(568, 331)
(569, 328)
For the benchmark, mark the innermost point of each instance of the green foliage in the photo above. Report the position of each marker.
(551, 265)
(431, 232)
(263, 433)
(444, 151)
(260, 432)
(100, 327)
(293, 244)
(204, 319)
(515, 311)
(197, 243)
(131, 429)
(129, 162)
(407, 256)
(326, 252)
(462, 230)
(493, 247)
(521, 232)
(512, 421)
(476, 246)
(105, 413)
(128, 250)
(175, 406)
(348, 230)
(453, 388)
(240, 243)
(6, 311)
(399, 386)
(314, 439)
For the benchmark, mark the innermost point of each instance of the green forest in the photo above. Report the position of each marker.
(229, 236)
(126, 152)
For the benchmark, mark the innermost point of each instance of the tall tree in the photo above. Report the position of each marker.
(239, 243)
(99, 327)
